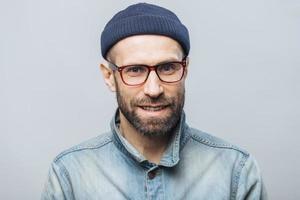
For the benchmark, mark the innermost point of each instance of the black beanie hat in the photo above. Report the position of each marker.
(144, 18)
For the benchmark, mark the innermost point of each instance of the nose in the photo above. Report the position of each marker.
(153, 87)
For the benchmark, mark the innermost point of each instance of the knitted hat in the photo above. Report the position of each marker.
(140, 19)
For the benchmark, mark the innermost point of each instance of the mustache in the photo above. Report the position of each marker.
(158, 100)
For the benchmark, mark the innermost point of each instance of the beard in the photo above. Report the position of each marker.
(152, 126)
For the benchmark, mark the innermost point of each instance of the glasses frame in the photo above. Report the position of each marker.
(115, 67)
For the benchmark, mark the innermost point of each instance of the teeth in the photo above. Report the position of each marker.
(152, 108)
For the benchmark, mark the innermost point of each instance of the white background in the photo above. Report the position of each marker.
(243, 83)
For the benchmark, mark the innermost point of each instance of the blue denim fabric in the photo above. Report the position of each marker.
(195, 165)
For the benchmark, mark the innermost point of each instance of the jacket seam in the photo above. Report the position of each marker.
(217, 145)
(237, 176)
(65, 172)
(105, 141)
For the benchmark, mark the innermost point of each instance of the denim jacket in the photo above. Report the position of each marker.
(195, 165)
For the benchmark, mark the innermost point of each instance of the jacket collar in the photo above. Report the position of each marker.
(172, 154)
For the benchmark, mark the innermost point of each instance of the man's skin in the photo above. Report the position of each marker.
(149, 50)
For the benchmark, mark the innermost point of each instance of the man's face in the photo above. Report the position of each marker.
(155, 107)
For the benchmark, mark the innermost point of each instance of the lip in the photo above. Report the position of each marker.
(151, 110)
(153, 105)
(162, 107)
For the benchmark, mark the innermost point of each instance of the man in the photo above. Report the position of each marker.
(150, 152)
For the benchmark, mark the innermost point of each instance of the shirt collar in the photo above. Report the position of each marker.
(170, 157)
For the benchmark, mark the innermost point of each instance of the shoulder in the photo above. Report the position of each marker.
(230, 160)
(212, 142)
(204, 147)
(91, 145)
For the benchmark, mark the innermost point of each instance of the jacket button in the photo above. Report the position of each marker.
(151, 175)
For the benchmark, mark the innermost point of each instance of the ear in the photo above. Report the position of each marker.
(108, 76)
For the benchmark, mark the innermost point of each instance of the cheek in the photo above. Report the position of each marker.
(123, 90)
(128, 95)
(174, 90)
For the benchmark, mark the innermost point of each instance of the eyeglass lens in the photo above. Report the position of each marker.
(167, 72)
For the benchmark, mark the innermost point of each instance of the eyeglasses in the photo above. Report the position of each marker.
(137, 74)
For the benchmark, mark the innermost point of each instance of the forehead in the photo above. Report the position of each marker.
(146, 49)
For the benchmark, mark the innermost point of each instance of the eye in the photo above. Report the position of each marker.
(168, 68)
(136, 70)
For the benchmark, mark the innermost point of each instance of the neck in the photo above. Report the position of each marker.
(151, 147)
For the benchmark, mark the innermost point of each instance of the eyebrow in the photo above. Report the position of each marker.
(159, 63)
(167, 61)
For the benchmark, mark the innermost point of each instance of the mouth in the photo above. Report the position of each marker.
(153, 108)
